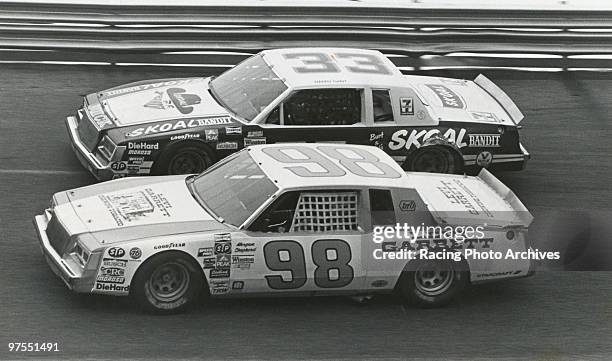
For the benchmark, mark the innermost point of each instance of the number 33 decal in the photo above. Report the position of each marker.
(323, 63)
(331, 256)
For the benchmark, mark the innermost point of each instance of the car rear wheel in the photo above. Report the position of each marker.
(432, 159)
(185, 159)
(167, 283)
(432, 283)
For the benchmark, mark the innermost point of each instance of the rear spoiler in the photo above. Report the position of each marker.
(502, 98)
(521, 211)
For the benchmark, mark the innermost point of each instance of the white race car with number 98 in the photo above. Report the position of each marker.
(286, 219)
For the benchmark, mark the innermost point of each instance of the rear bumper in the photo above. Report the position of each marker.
(501, 162)
(71, 277)
(88, 160)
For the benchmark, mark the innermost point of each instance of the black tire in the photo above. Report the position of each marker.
(432, 283)
(167, 283)
(189, 158)
(433, 159)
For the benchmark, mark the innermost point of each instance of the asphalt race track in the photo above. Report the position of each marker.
(564, 312)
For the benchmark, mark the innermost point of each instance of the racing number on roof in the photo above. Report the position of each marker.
(323, 63)
(331, 272)
(366, 164)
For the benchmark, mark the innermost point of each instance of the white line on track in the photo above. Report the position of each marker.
(40, 171)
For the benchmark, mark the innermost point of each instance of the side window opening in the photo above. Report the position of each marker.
(274, 116)
(381, 206)
(279, 215)
(381, 102)
(326, 212)
(319, 107)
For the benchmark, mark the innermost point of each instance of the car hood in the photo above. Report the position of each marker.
(158, 100)
(120, 211)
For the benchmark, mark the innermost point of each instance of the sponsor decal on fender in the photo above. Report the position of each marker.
(401, 138)
(109, 262)
(178, 124)
(184, 136)
(484, 140)
(116, 252)
(407, 205)
(112, 287)
(227, 145)
(212, 134)
(233, 130)
(169, 245)
(135, 253)
(255, 134)
(254, 141)
(142, 148)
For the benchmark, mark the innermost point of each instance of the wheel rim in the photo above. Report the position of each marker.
(433, 161)
(433, 279)
(169, 282)
(187, 162)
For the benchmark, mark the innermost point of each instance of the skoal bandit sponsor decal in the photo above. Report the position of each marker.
(137, 88)
(484, 140)
(130, 207)
(174, 98)
(403, 139)
(449, 98)
(178, 124)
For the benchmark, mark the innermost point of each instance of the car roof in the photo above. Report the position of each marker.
(284, 64)
(285, 178)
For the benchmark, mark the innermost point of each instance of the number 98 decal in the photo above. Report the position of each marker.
(365, 164)
(330, 256)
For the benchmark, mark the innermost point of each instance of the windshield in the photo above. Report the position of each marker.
(234, 189)
(247, 88)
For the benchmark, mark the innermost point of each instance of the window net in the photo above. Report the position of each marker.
(321, 212)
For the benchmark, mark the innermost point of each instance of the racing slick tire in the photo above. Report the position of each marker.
(434, 159)
(167, 283)
(432, 283)
(184, 158)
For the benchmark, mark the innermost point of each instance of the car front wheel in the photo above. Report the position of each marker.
(432, 283)
(167, 283)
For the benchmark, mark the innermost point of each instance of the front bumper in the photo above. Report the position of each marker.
(71, 276)
(88, 160)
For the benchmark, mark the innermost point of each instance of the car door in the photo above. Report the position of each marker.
(319, 115)
(304, 242)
